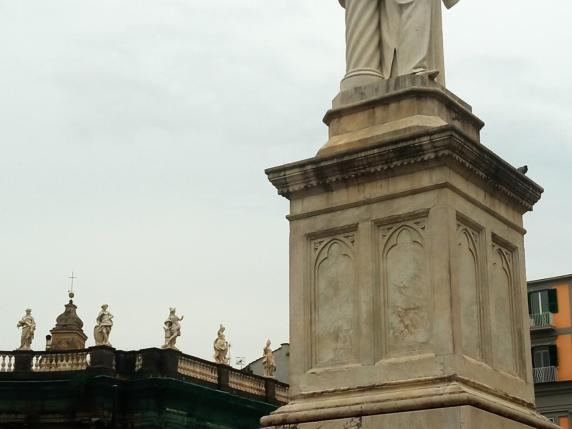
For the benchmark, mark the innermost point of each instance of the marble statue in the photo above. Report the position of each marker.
(389, 38)
(268, 361)
(172, 329)
(28, 326)
(103, 327)
(221, 347)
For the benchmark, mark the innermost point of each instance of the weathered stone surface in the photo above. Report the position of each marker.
(395, 108)
(407, 278)
(441, 418)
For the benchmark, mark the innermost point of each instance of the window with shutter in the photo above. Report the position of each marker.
(541, 357)
(543, 301)
(530, 303)
(553, 301)
(553, 355)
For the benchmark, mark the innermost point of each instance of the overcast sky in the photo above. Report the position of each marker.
(134, 135)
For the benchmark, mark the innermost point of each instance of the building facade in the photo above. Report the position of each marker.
(550, 303)
(70, 386)
(101, 387)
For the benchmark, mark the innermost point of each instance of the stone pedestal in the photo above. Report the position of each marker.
(407, 275)
(23, 360)
(395, 108)
(102, 360)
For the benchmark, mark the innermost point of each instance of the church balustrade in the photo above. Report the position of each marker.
(60, 362)
(282, 393)
(247, 383)
(6, 362)
(144, 363)
(197, 369)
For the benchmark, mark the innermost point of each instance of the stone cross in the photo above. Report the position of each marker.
(72, 278)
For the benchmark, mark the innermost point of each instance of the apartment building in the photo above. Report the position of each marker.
(550, 303)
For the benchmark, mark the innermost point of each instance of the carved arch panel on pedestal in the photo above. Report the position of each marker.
(332, 303)
(405, 289)
(469, 276)
(506, 316)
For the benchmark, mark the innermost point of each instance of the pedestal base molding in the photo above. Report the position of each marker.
(412, 396)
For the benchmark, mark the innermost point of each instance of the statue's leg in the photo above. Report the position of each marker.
(414, 50)
(390, 22)
(363, 39)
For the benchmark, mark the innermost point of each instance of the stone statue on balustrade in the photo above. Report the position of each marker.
(103, 327)
(390, 38)
(221, 347)
(172, 329)
(28, 325)
(268, 361)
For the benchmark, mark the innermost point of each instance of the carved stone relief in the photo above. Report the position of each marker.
(354, 423)
(406, 288)
(468, 264)
(503, 298)
(333, 295)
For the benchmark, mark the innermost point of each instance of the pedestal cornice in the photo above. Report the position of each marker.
(444, 145)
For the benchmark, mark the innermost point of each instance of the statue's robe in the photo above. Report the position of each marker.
(411, 36)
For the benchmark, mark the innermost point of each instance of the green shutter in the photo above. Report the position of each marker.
(553, 355)
(530, 303)
(552, 301)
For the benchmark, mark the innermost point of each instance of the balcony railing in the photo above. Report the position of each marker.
(541, 321)
(137, 364)
(546, 374)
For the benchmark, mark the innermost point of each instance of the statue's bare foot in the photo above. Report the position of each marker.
(431, 74)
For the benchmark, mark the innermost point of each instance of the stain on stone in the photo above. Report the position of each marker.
(354, 423)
